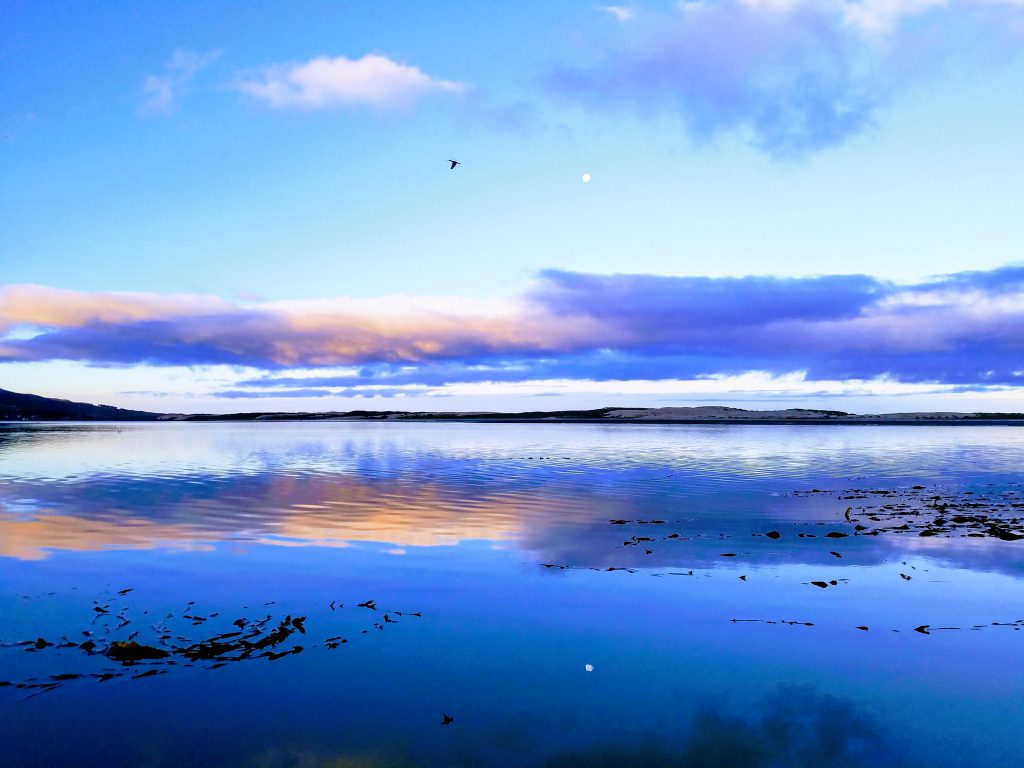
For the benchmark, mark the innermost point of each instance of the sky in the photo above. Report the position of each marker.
(219, 207)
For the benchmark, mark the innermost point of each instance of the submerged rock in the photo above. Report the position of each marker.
(132, 651)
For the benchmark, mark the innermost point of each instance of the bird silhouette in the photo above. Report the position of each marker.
(454, 163)
(447, 720)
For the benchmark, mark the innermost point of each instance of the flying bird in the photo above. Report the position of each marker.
(454, 163)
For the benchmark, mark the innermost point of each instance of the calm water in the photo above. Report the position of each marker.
(500, 537)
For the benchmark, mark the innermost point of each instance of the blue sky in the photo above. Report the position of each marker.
(282, 167)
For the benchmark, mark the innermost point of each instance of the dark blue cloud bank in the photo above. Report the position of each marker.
(793, 77)
(965, 330)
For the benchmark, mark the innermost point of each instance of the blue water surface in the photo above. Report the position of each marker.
(551, 635)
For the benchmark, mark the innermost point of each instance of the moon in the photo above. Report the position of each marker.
(586, 178)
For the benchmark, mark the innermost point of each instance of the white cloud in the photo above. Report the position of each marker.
(164, 91)
(620, 12)
(792, 77)
(321, 82)
(159, 93)
(747, 384)
(884, 15)
(869, 16)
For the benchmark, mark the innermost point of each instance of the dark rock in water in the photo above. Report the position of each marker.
(1004, 535)
(132, 651)
(862, 628)
(773, 535)
(447, 720)
(282, 654)
(836, 535)
(274, 638)
(923, 629)
(822, 584)
(207, 650)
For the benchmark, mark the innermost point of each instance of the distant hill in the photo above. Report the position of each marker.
(15, 406)
(19, 407)
(708, 414)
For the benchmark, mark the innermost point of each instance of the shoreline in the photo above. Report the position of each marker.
(838, 422)
(17, 408)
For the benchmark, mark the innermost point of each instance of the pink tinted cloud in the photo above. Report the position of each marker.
(958, 328)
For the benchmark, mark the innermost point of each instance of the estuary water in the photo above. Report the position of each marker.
(442, 594)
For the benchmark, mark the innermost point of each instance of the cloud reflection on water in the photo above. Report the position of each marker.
(560, 513)
(547, 491)
(792, 725)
